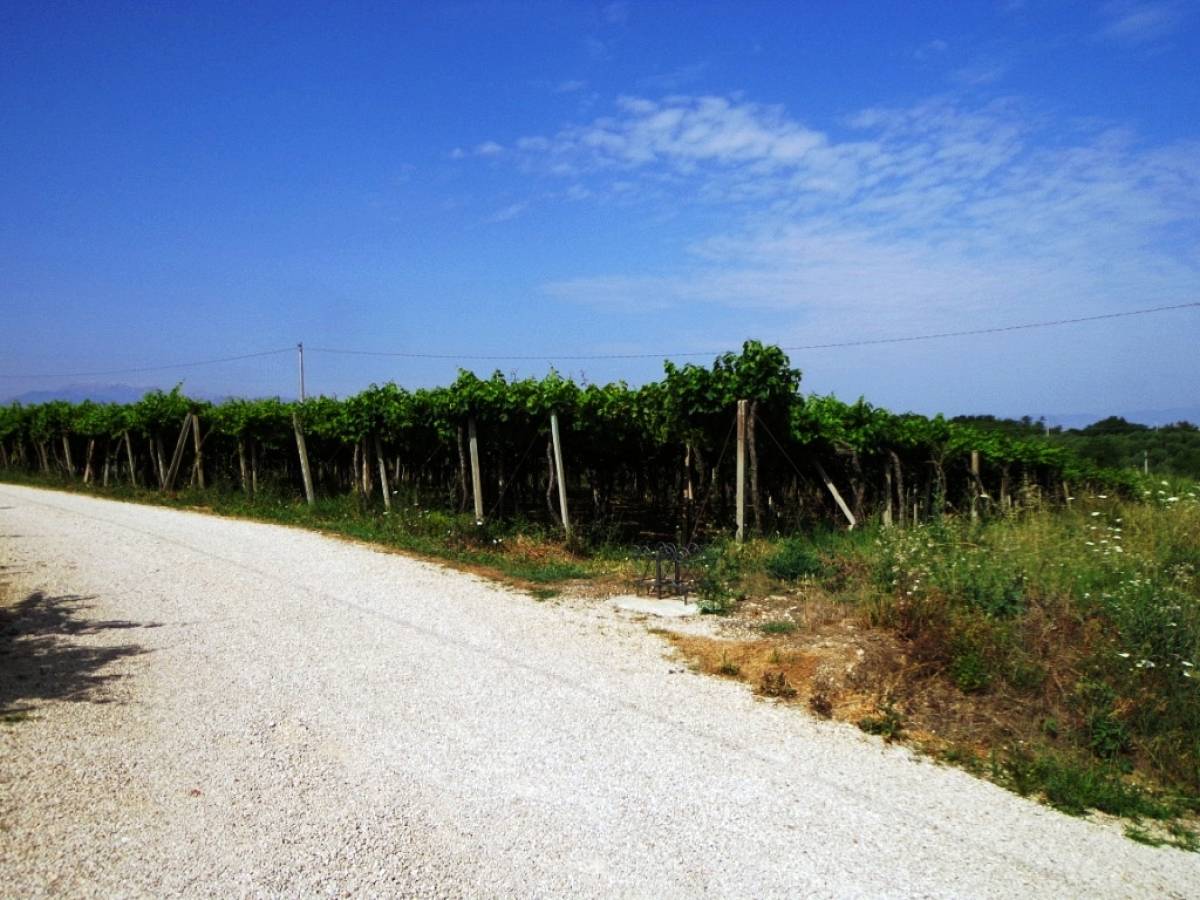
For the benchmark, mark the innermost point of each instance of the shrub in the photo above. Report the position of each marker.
(794, 559)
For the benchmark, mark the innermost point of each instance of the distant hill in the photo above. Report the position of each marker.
(104, 393)
(76, 393)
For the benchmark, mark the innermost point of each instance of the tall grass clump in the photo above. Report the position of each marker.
(1092, 613)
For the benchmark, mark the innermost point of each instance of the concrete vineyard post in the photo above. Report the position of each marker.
(476, 486)
(741, 469)
(837, 496)
(562, 481)
(302, 450)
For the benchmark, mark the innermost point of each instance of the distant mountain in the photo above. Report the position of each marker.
(76, 393)
(102, 393)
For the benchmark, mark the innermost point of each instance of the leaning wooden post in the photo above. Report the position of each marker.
(383, 475)
(177, 456)
(66, 442)
(476, 486)
(741, 469)
(87, 463)
(562, 479)
(129, 454)
(302, 449)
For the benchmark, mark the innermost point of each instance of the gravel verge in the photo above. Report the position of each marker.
(232, 708)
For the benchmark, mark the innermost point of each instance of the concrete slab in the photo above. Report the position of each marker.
(668, 607)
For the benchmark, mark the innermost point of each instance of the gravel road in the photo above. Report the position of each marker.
(293, 715)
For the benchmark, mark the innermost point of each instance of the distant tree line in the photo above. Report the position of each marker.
(1112, 443)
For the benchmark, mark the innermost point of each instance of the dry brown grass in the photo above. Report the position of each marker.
(844, 669)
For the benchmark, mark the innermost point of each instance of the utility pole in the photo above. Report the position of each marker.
(300, 351)
(1145, 462)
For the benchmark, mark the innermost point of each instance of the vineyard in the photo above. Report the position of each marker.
(653, 460)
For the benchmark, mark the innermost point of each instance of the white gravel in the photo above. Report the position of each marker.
(311, 717)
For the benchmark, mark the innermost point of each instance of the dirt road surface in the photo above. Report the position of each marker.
(198, 706)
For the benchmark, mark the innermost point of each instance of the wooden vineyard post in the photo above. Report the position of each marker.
(66, 443)
(741, 469)
(302, 450)
(199, 463)
(974, 485)
(156, 452)
(562, 480)
(476, 487)
(177, 456)
(383, 476)
(129, 454)
(87, 463)
(832, 488)
(241, 450)
(887, 490)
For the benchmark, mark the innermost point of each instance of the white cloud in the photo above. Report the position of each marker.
(489, 148)
(925, 214)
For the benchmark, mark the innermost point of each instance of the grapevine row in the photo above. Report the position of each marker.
(655, 459)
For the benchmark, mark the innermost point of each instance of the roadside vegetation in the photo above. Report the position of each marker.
(1056, 651)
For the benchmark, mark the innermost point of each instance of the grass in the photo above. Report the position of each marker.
(777, 626)
(1076, 631)
(888, 724)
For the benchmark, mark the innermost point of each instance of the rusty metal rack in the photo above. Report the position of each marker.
(666, 569)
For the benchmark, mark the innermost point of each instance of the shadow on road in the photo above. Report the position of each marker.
(40, 660)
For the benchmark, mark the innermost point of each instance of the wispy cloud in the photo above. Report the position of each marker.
(616, 13)
(935, 213)
(570, 86)
(979, 72)
(487, 148)
(930, 50)
(507, 214)
(1139, 23)
(677, 78)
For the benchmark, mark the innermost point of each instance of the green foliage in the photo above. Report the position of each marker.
(794, 558)
(717, 572)
(888, 724)
(1076, 787)
(778, 626)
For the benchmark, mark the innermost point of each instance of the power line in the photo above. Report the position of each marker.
(577, 357)
(186, 365)
(465, 357)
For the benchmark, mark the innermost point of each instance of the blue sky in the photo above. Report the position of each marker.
(180, 182)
